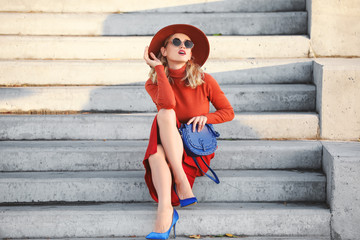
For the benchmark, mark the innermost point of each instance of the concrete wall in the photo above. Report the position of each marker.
(338, 98)
(335, 27)
(341, 163)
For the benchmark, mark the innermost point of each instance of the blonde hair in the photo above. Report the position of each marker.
(194, 74)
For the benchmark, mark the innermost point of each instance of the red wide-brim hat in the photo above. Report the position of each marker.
(201, 48)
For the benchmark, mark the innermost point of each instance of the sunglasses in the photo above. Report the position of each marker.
(187, 43)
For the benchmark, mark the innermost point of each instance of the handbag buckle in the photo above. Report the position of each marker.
(201, 141)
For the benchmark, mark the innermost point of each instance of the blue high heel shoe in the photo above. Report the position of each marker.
(186, 202)
(165, 235)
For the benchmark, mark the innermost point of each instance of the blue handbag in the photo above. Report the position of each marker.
(198, 144)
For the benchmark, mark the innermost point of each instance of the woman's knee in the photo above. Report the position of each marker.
(158, 156)
(166, 116)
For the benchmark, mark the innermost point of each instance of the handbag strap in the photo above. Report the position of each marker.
(215, 178)
(210, 126)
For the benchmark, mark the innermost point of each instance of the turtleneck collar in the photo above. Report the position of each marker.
(177, 73)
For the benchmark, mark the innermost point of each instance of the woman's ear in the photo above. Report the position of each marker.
(163, 51)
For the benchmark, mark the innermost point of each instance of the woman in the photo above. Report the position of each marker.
(181, 93)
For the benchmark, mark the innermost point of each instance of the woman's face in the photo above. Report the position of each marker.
(177, 54)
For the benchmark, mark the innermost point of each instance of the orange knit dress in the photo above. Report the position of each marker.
(187, 103)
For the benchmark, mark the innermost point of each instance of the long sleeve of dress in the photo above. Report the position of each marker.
(224, 111)
(161, 92)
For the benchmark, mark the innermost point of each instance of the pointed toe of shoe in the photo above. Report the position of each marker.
(165, 235)
(154, 235)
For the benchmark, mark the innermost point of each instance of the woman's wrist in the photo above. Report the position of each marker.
(158, 65)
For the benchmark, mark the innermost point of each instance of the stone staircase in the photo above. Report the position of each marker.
(73, 168)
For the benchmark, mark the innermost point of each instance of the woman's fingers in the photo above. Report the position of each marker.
(190, 121)
(152, 55)
(196, 120)
(146, 53)
(200, 121)
(146, 56)
(151, 62)
(156, 61)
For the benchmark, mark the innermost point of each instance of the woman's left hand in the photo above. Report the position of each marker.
(201, 120)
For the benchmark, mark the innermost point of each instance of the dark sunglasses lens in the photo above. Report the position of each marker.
(189, 44)
(176, 42)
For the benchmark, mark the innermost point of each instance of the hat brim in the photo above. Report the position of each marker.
(201, 48)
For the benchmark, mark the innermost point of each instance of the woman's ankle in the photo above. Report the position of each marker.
(181, 179)
(167, 207)
(164, 219)
(184, 190)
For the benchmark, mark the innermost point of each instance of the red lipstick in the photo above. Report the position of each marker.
(182, 52)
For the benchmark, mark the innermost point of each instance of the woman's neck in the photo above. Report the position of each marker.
(176, 65)
(177, 73)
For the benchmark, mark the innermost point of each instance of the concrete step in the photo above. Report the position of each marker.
(269, 98)
(135, 72)
(116, 48)
(243, 98)
(153, 6)
(120, 155)
(115, 220)
(129, 186)
(131, 126)
(203, 237)
(85, 24)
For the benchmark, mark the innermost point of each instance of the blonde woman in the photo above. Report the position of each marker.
(182, 93)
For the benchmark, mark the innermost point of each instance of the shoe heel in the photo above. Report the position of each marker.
(174, 231)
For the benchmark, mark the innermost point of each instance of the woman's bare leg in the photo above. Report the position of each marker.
(161, 176)
(173, 147)
(169, 153)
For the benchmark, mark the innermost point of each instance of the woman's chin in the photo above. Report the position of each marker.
(178, 58)
(177, 61)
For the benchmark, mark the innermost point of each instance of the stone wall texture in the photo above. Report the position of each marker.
(334, 28)
(341, 161)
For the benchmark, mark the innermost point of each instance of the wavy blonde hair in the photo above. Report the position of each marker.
(194, 74)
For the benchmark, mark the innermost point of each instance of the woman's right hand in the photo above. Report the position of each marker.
(151, 62)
